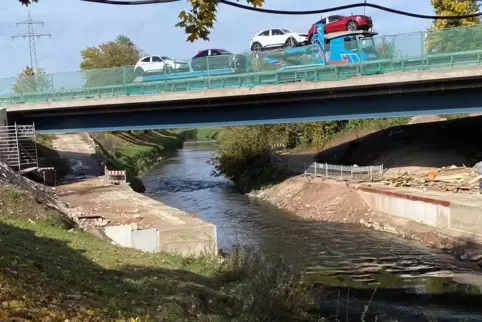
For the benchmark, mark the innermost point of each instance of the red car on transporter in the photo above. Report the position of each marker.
(337, 23)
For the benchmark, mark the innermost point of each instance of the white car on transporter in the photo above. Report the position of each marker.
(160, 64)
(276, 38)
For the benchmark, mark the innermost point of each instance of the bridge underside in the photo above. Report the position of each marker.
(153, 116)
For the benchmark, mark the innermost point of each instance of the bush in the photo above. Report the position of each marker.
(267, 289)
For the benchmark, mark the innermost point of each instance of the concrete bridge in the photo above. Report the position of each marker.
(386, 95)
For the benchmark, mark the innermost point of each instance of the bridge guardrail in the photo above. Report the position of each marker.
(426, 50)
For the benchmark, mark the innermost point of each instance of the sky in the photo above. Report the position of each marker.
(75, 25)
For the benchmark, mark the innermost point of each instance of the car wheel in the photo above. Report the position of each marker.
(139, 72)
(291, 43)
(256, 47)
(351, 26)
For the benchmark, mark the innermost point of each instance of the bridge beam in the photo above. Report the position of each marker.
(464, 100)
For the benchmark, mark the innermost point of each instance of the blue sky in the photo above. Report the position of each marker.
(75, 25)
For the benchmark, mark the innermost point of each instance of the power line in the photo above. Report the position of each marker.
(31, 35)
(130, 3)
(354, 5)
(285, 12)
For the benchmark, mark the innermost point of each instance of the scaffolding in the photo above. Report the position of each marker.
(18, 146)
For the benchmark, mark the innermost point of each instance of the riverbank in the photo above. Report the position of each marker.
(135, 151)
(339, 255)
(314, 198)
(138, 151)
(54, 270)
(409, 154)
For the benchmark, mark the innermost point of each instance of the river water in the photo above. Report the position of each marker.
(402, 278)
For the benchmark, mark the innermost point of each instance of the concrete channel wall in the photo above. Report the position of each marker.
(457, 218)
(190, 241)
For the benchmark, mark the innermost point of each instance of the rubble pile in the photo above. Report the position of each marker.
(451, 179)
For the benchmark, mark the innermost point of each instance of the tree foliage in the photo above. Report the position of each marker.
(243, 152)
(29, 81)
(443, 40)
(198, 20)
(116, 53)
(387, 50)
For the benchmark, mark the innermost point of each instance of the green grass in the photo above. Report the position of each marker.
(46, 270)
(50, 272)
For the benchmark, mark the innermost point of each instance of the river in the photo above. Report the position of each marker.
(403, 278)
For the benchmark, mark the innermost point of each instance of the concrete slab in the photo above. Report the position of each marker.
(175, 230)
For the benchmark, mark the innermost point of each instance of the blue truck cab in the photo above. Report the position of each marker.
(345, 47)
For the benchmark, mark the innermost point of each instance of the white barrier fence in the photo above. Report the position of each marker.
(343, 172)
(115, 176)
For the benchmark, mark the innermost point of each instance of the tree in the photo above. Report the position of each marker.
(439, 39)
(386, 49)
(31, 82)
(98, 62)
(198, 20)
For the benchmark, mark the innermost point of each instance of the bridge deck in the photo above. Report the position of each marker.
(252, 93)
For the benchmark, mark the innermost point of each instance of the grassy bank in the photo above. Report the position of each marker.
(201, 134)
(136, 151)
(51, 273)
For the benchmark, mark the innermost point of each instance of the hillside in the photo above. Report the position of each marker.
(414, 147)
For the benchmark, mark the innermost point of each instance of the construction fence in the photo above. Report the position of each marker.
(338, 172)
(115, 176)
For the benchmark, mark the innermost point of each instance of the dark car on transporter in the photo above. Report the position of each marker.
(210, 59)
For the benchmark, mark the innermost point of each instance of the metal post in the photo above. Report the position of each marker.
(341, 171)
(35, 144)
(326, 169)
(371, 173)
(124, 78)
(422, 40)
(125, 176)
(18, 147)
(315, 168)
(207, 66)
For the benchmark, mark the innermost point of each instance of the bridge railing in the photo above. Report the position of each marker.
(437, 49)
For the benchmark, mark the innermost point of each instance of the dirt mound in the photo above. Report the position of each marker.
(311, 198)
(413, 148)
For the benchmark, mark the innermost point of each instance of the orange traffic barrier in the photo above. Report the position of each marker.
(432, 175)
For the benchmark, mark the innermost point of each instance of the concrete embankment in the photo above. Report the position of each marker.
(456, 216)
(453, 223)
(128, 218)
(133, 220)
